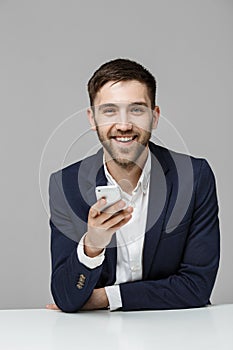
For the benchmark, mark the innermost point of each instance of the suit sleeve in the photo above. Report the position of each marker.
(71, 282)
(192, 284)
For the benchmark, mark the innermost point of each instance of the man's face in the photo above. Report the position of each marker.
(123, 120)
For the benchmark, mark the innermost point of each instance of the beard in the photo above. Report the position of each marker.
(125, 157)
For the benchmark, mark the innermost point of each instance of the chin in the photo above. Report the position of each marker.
(124, 163)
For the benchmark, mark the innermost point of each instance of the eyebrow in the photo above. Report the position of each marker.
(139, 103)
(107, 105)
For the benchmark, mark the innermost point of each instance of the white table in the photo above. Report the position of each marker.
(207, 328)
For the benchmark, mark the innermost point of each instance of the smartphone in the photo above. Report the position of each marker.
(112, 194)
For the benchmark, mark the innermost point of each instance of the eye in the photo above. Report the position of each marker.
(137, 110)
(109, 111)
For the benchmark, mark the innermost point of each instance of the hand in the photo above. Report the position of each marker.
(102, 225)
(97, 300)
(52, 307)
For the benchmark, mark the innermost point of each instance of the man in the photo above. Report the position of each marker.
(156, 248)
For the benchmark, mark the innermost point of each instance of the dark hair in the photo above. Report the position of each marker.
(121, 70)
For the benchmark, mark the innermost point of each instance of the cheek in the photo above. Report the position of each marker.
(104, 130)
(145, 126)
(103, 124)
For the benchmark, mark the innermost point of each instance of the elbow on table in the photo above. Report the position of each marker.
(199, 299)
(64, 302)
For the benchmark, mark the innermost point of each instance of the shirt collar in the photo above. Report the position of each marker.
(144, 177)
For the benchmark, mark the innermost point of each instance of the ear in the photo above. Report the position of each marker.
(156, 115)
(91, 118)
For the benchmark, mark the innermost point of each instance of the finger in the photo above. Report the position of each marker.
(112, 210)
(118, 218)
(122, 222)
(101, 216)
(52, 307)
(95, 210)
(119, 214)
(119, 205)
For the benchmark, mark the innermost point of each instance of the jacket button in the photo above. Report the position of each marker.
(79, 285)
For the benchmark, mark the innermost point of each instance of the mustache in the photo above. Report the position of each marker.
(122, 133)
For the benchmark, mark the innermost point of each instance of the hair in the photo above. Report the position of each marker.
(121, 70)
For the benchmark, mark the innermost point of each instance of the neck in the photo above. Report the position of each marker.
(126, 176)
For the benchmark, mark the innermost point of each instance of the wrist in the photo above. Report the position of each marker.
(90, 250)
(101, 298)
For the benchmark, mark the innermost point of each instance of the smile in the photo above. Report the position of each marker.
(124, 139)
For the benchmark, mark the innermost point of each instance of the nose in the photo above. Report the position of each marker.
(124, 126)
(123, 122)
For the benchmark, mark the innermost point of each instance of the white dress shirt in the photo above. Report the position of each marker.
(129, 238)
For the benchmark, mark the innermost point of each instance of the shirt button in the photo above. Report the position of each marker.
(135, 268)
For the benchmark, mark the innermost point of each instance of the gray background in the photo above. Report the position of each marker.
(49, 49)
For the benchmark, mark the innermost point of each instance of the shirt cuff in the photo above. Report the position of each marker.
(114, 297)
(87, 260)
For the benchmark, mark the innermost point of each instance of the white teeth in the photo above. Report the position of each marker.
(124, 139)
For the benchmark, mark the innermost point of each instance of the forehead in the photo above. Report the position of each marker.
(123, 91)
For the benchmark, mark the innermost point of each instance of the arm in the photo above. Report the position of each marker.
(66, 267)
(66, 272)
(72, 282)
(191, 286)
(97, 300)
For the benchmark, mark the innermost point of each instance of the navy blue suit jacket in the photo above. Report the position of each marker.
(181, 245)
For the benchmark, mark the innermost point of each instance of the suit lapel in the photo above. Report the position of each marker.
(159, 194)
(91, 174)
